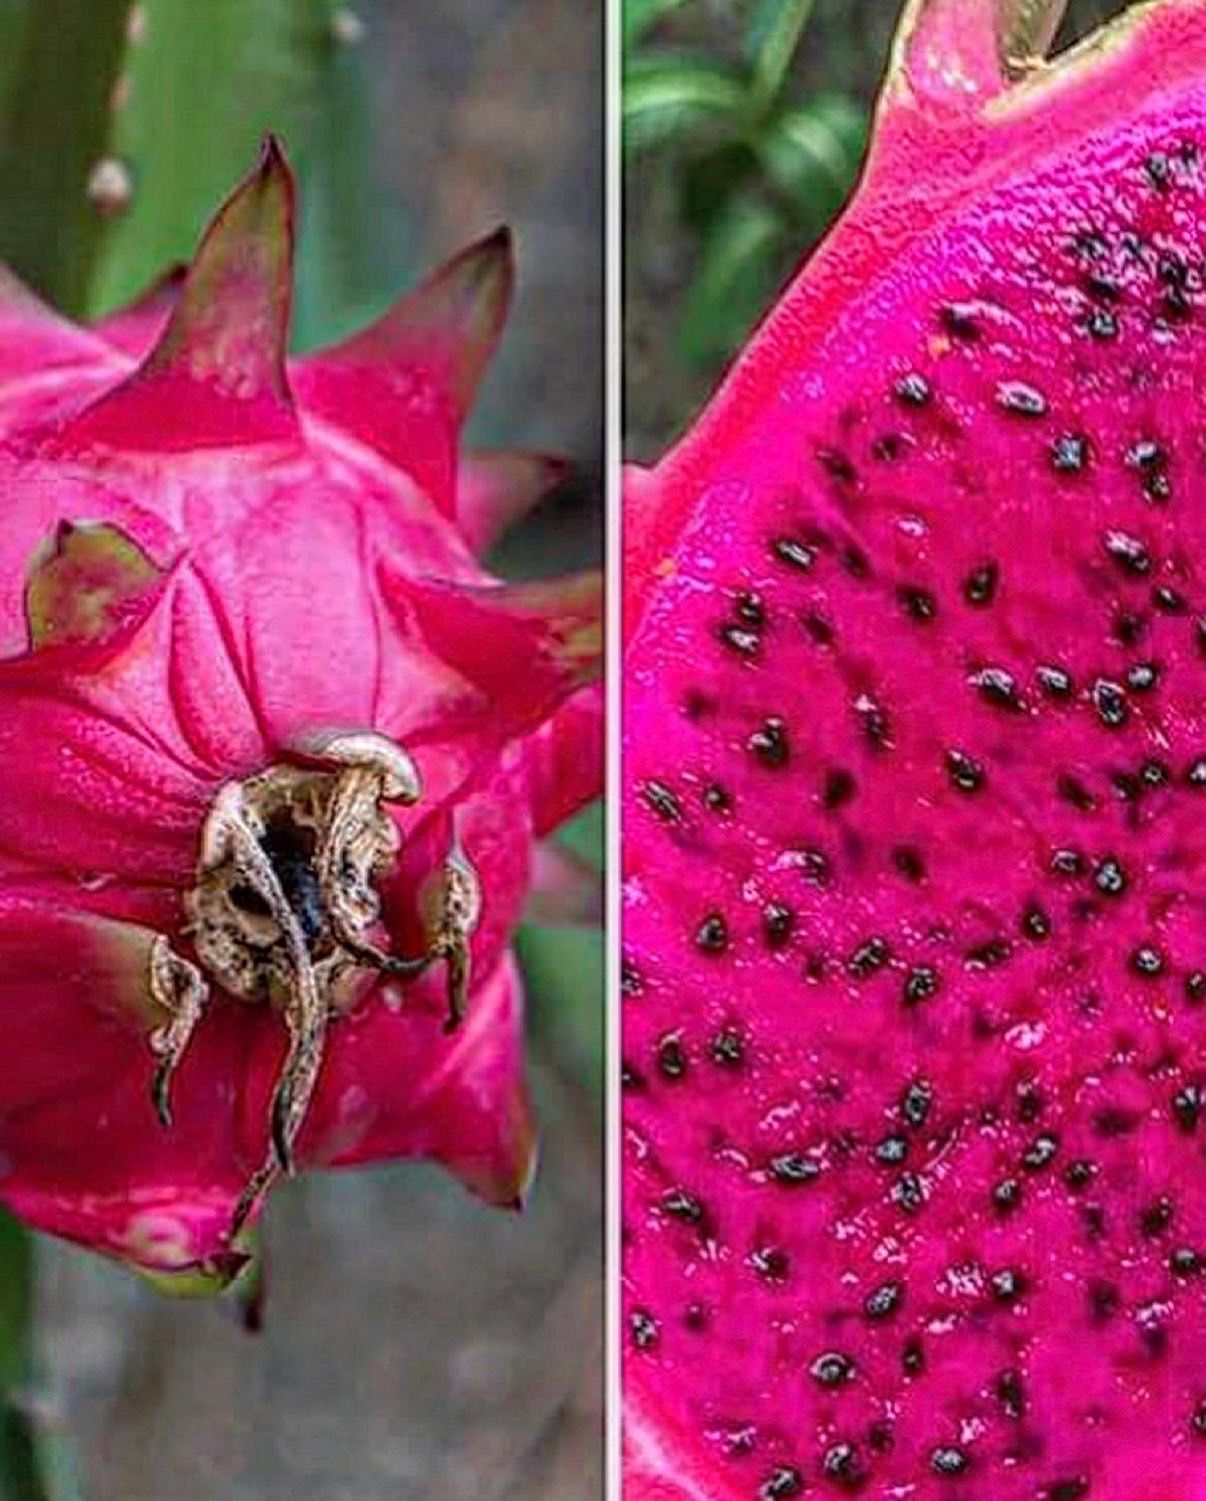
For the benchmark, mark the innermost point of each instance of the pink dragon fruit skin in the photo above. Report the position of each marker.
(915, 728)
(229, 583)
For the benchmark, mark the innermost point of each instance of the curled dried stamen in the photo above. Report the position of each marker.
(283, 911)
(180, 989)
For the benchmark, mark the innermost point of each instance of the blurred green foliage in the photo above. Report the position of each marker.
(755, 173)
(175, 96)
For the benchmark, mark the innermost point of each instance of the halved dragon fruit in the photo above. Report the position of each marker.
(275, 749)
(915, 872)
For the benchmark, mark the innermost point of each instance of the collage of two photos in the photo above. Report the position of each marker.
(602, 734)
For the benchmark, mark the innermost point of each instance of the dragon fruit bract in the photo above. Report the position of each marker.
(915, 891)
(275, 749)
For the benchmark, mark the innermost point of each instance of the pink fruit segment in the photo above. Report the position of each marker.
(248, 656)
(915, 1016)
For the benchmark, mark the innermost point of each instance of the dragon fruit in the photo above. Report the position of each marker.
(276, 748)
(915, 887)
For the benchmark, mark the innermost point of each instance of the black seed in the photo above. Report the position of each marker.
(884, 1300)
(1073, 1488)
(681, 1205)
(663, 802)
(909, 863)
(696, 1317)
(868, 958)
(1187, 1105)
(1073, 791)
(908, 1192)
(1101, 324)
(980, 586)
(913, 390)
(716, 799)
(997, 687)
(793, 1169)
(1146, 455)
(918, 604)
(1036, 924)
(1104, 1300)
(836, 465)
(1185, 1262)
(1069, 453)
(1195, 775)
(671, 1060)
(1040, 1154)
(879, 1437)
(1102, 288)
(1177, 305)
(1030, 1101)
(1110, 703)
(1147, 961)
(831, 1369)
(839, 787)
(988, 955)
(855, 562)
(1011, 1393)
(1157, 487)
(1109, 877)
(1067, 862)
(915, 1103)
(712, 935)
(1167, 600)
(781, 1483)
(920, 984)
(1054, 681)
(792, 551)
(1142, 677)
(1154, 774)
(876, 728)
(959, 320)
(1112, 1121)
(892, 1151)
(1022, 400)
(727, 1049)
(1128, 552)
(1079, 1174)
(966, 775)
(643, 1329)
(1008, 1285)
(842, 1464)
(1158, 170)
(813, 866)
(1089, 244)
(949, 1461)
(769, 744)
(771, 1263)
(818, 628)
(741, 639)
(750, 608)
(912, 1358)
(1156, 1218)
(1129, 629)
(1198, 1422)
(1195, 987)
(777, 923)
(631, 1078)
(1007, 1195)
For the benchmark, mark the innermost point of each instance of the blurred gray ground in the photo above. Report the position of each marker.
(417, 1344)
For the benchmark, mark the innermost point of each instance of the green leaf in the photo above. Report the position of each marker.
(771, 38)
(23, 1462)
(640, 16)
(55, 122)
(737, 272)
(811, 154)
(667, 99)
